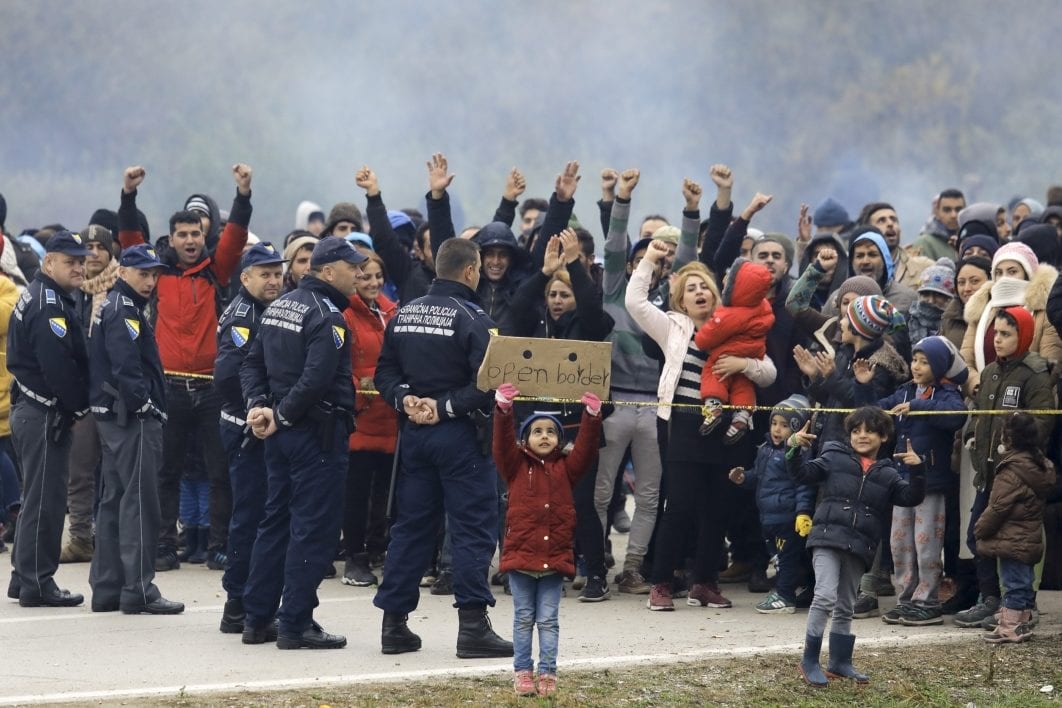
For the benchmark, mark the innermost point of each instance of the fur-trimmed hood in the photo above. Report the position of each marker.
(887, 357)
(1034, 298)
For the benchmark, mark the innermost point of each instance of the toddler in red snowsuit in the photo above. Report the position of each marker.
(737, 327)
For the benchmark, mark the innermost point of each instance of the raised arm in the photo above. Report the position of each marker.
(230, 247)
(730, 248)
(691, 225)
(384, 241)
(441, 224)
(616, 241)
(559, 213)
(129, 233)
(719, 215)
(515, 184)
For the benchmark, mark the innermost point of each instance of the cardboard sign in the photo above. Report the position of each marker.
(551, 368)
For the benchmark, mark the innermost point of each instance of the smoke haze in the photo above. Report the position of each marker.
(864, 101)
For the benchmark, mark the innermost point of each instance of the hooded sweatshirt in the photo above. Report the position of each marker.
(824, 288)
(899, 295)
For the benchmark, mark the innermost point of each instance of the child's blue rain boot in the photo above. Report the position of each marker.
(840, 666)
(809, 665)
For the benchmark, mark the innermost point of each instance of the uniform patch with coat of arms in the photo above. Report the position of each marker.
(58, 325)
(133, 327)
(338, 335)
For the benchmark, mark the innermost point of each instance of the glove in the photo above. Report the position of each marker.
(504, 396)
(592, 403)
(803, 525)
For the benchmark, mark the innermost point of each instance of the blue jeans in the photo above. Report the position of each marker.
(536, 601)
(1017, 580)
(195, 502)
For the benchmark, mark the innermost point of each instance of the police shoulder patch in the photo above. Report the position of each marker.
(58, 325)
(338, 336)
(49, 297)
(127, 301)
(331, 307)
(242, 309)
(133, 327)
(240, 335)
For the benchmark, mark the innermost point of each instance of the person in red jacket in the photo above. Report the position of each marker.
(187, 304)
(737, 327)
(372, 445)
(540, 473)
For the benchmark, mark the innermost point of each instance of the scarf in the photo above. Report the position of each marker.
(1006, 292)
(98, 286)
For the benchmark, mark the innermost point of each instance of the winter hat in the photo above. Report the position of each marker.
(306, 213)
(197, 204)
(782, 240)
(794, 410)
(106, 218)
(989, 243)
(871, 316)
(944, 359)
(978, 218)
(1042, 239)
(829, 212)
(860, 285)
(667, 234)
(356, 238)
(343, 211)
(938, 278)
(1026, 328)
(403, 227)
(99, 235)
(641, 245)
(525, 427)
(295, 245)
(1020, 254)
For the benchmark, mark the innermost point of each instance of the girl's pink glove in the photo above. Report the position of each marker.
(592, 403)
(505, 395)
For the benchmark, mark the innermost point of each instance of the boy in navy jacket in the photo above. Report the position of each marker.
(785, 506)
(918, 532)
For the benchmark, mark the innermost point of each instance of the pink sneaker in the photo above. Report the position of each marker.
(660, 598)
(707, 595)
(524, 683)
(547, 684)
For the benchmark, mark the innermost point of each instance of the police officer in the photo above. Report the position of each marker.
(300, 394)
(47, 355)
(261, 275)
(128, 402)
(427, 369)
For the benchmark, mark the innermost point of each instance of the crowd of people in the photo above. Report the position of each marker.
(801, 402)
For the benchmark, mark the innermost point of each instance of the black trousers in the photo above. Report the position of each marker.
(695, 506)
(365, 510)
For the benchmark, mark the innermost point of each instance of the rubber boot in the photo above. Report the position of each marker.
(809, 665)
(201, 539)
(475, 637)
(191, 544)
(232, 617)
(840, 666)
(396, 637)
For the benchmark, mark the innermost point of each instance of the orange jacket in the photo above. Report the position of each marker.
(377, 422)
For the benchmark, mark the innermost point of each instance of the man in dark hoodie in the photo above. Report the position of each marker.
(207, 208)
(906, 267)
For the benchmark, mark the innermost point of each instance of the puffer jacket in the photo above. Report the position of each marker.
(377, 422)
(540, 522)
(854, 505)
(838, 389)
(932, 436)
(778, 498)
(1011, 525)
(740, 323)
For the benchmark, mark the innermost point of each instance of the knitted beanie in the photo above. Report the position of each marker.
(1020, 254)
(296, 244)
(983, 240)
(871, 316)
(830, 212)
(858, 284)
(938, 278)
(100, 235)
(795, 411)
(667, 234)
(944, 359)
(343, 211)
(525, 427)
(788, 247)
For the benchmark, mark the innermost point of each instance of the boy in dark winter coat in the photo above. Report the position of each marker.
(540, 525)
(1011, 526)
(1019, 380)
(918, 532)
(737, 327)
(856, 489)
(785, 506)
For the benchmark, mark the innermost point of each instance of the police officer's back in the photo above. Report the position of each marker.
(427, 369)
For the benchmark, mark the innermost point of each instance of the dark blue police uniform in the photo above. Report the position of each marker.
(48, 357)
(433, 348)
(237, 328)
(128, 400)
(299, 365)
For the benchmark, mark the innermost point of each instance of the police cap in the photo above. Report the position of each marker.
(141, 256)
(66, 242)
(332, 249)
(260, 254)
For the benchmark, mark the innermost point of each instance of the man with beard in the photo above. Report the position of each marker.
(869, 255)
(938, 238)
(907, 269)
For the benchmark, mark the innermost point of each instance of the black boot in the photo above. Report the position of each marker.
(840, 666)
(232, 617)
(396, 637)
(191, 538)
(197, 544)
(809, 665)
(475, 637)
